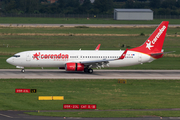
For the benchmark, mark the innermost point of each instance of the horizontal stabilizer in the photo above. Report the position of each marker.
(161, 53)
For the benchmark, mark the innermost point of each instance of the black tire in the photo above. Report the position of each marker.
(86, 70)
(23, 70)
(90, 71)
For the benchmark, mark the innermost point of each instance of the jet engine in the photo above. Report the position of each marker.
(74, 67)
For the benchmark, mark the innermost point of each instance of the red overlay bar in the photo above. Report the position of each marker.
(88, 106)
(70, 106)
(22, 90)
(79, 106)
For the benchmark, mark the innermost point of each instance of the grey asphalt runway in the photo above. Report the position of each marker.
(20, 115)
(97, 74)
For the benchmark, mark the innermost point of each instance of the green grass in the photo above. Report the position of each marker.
(106, 114)
(22, 43)
(106, 94)
(29, 20)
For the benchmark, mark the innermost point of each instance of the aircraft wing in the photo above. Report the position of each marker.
(104, 61)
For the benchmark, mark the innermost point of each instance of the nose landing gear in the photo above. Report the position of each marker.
(22, 70)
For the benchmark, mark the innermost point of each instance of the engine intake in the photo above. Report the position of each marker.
(74, 67)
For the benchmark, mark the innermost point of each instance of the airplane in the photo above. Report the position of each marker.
(85, 60)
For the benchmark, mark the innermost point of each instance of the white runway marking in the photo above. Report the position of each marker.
(6, 116)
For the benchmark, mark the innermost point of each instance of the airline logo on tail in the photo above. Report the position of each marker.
(150, 44)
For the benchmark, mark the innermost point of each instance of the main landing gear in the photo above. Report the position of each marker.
(86, 70)
(23, 70)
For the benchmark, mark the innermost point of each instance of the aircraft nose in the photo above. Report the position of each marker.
(9, 60)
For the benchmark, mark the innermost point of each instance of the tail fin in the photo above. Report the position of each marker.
(155, 42)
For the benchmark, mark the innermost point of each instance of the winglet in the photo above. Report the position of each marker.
(97, 48)
(123, 55)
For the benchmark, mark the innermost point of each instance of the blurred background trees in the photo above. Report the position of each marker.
(160, 7)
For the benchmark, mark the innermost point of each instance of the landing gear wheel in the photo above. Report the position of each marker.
(23, 70)
(86, 70)
(90, 71)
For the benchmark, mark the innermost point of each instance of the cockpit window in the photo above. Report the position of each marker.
(16, 56)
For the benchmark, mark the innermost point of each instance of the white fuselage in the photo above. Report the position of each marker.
(58, 58)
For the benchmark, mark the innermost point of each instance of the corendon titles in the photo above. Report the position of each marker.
(50, 56)
(149, 43)
(159, 34)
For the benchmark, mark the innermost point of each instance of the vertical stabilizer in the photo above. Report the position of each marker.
(155, 42)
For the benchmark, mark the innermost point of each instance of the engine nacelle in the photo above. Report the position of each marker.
(74, 67)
